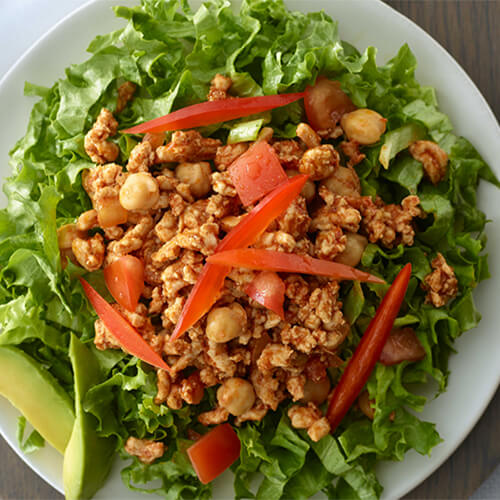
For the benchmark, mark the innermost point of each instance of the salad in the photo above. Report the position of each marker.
(195, 289)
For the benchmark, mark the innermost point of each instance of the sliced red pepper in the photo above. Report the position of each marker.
(368, 352)
(125, 280)
(207, 287)
(256, 172)
(270, 260)
(213, 453)
(128, 337)
(268, 289)
(209, 112)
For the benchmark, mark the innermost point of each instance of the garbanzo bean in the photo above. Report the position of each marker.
(316, 392)
(364, 126)
(354, 248)
(196, 176)
(309, 189)
(343, 181)
(226, 323)
(236, 395)
(140, 191)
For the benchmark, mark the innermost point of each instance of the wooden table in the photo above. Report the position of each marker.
(469, 30)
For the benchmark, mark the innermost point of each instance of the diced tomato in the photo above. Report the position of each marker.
(207, 288)
(128, 337)
(207, 113)
(270, 260)
(367, 353)
(212, 454)
(325, 103)
(402, 345)
(125, 281)
(268, 289)
(256, 172)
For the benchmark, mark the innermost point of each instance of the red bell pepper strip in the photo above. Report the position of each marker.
(209, 283)
(268, 289)
(209, 112)
(213, 453)
(368, 352)
(256, 172)
(270, 260)
(128, 337)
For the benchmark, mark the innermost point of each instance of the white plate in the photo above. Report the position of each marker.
(475, 369)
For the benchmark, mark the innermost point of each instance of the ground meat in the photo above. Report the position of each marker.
(183, 272)
(306, 133)
(226, 155)
(87, 220)
(330, 243)
(441, 284)
(257, 413)
(389, 224)
(96, 141)
(289, 153)
(351, 150)
(279, 241)
(433, 158)
(103, 181)
(295, 220)
(141, 158)
(163, 384)
(338, 212)
(295, 386)
(125, 93)
(302, 417)
(187, 146)
(274, 356)
(219, 87)
(146, 450)
(104, 339)
(319, 429)
(213, 417)
(319, 162)
(89, 252)
(222, 184)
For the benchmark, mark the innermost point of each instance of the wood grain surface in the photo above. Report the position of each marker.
(470, 31)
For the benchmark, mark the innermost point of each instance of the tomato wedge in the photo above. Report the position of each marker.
(325, 103)
(206, 290)
(122, 330)
(209, 112)
(402, 345)
(367, 353)
(268, 289)
(270, 260)
(125, 281)
(256, 172)
(212, 454)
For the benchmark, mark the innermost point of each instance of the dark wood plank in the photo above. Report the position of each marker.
(470, 31)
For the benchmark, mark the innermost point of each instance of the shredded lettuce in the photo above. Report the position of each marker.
(172, 53)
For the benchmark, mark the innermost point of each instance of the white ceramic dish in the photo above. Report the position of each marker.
(475, 369)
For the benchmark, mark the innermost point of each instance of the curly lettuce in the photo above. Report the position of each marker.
(172, 53)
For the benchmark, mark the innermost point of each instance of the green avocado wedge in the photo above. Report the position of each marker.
(88, 457)
(37, 395)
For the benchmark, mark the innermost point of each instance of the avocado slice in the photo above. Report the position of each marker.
(88, 457)
(37, 395)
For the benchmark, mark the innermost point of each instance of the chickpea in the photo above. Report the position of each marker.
(65, 236)
(226, 323)
(309, 189)
(316, 392)
(343, 181)
(110, 212)
(196, 176)
(140, 191)
(364, 126)
(354, 248)
(236, 395)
